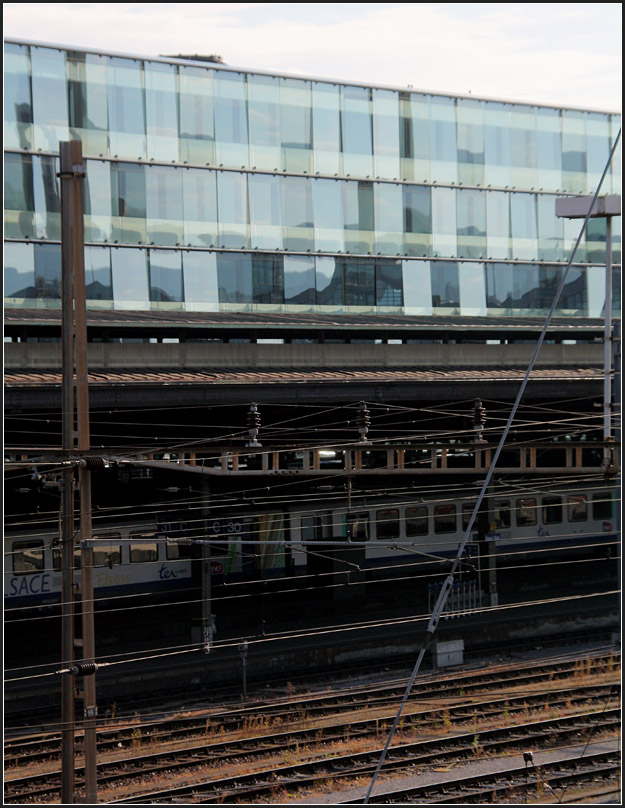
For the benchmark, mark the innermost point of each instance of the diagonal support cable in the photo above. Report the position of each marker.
(446, 588)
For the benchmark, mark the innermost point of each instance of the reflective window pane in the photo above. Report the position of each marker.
(471, 223)
(197, 130)
(126, 108)
(263, 93)
(329, 281)
(48, 271)
(130, 278)
(388, 283)
(232, 209)
(326, 123)
(19, 274)
(18, 106)
(328, 215)
(201, 291)
(359, 283)
(88, 106)
(443, 141)
(19, 201)
(98, 281)
(161, 111)
(417, 281)
(299, 279)
(386, 133)
(234, 273)
(199, 200)
(165, 276)
(231, 132)
(49, 88)
(296, 124)
(356, 131)
(445, 286)
(164, 207)
(471, 148)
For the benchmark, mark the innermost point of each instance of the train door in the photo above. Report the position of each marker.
(315, 528)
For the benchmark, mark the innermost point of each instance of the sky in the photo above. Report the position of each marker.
(563, 54)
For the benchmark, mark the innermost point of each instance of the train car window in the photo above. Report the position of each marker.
(417, 521)
(175, 551)
(27, 557)
(357, 525)
(141, 551)
(552, 510)
(311, 528)
(577, 508)
(107, 552)
(387, 524)
(445, 519)
(525, 512)
(502, 513)
(57, 562)
(602, 505)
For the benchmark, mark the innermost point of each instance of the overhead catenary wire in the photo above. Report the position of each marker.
(445, 590)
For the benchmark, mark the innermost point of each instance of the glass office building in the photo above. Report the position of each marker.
(214, 189)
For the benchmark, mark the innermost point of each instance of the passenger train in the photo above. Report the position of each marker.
(156, 556)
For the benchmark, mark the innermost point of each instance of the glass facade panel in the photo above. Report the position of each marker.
(263, 107)
(356, 131)
(267, 279)
(444, 236)
(326, 127)
(46, 195)
(131, 289)
(388, 284)
(296, 125)
(386, 133)
(414, 137)
(471, 146)
(126, 108)
(265, 211)
(19, 201)
(299, 280)
(166, 278)
(472, 287)
(88, 107)
(230, 106)
(49, 89)
(498, 242)
(497, 144)
(523, 161)
(417, 220)
(18, 104)
(129, 204)
(199, 200)
(471, 223)
(232, 209)
(97, 201)
(523, 218)
(358, 216)
(550, 230)
(329, 282)
(297, 213)
(445, 286)
(201, 289)
(164, 208)
(234, 275)
(358, 283)
(443, 139)
(549, 149)
(48, 272)
(161, 111)
(19, 274)
(197, 130)
(417, 280)
(574, 151)
(327, 198)
(98, 281)
(388, 217)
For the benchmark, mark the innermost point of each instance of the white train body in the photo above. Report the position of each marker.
(150, 558)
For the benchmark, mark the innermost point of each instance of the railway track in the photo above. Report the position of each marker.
(47, 747)
(248, 750)
(551, 779)
(278, 780)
